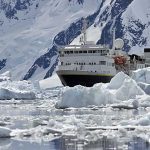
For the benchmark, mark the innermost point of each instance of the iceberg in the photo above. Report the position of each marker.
(15, 89)
(16, 94)
(5, 132)
(121, 88)
(142, 75)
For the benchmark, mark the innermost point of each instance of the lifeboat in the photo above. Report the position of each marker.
(120, 60)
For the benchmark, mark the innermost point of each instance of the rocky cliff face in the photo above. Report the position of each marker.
(32, 30)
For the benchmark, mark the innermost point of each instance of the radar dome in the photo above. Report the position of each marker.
(119, 43)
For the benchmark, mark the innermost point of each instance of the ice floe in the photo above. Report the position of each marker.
(135, 122)
(50, 82)
(121, 88)
(5, 132)
(16, 89)
(142, 75)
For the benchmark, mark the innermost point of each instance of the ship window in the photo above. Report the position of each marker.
(89, 51)
(71, 52)
(84, 51)
(94, 63)
(61, 55)
(76, 52)
(80, 51)
(94, 51)
(108, 64)
(102, 62)
(61, 63)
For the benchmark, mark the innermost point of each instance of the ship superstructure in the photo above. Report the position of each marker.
(88, 63)
(85, 65)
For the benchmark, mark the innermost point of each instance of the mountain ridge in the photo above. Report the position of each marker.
(32, 32)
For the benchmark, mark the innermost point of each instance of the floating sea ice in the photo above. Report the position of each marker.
(142, 75)
(144, 101)
(121, 88)
(129, 90)
(141, 121)
(118, 80)
(80, 96)
(9, 94)
(5, 132)
(17, 90)
(145, 87)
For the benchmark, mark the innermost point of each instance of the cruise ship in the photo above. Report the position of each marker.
(88, 63)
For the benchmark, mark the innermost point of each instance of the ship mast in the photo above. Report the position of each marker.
(84, 31)
(83, 38)
(114, 36)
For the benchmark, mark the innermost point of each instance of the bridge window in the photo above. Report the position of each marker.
(90, 51)
(84, 51)
(102, 62)
(76, 52)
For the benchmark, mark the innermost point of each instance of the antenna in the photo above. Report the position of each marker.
(84, 31)
(114, 37)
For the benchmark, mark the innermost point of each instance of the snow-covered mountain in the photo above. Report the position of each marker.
(31, 30)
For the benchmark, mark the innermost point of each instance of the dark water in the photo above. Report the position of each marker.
(72, 144)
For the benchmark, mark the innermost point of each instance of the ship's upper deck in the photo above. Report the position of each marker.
(83, 49)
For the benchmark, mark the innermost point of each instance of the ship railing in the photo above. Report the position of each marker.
(94, 67)
(84, 54)
(89, 46)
